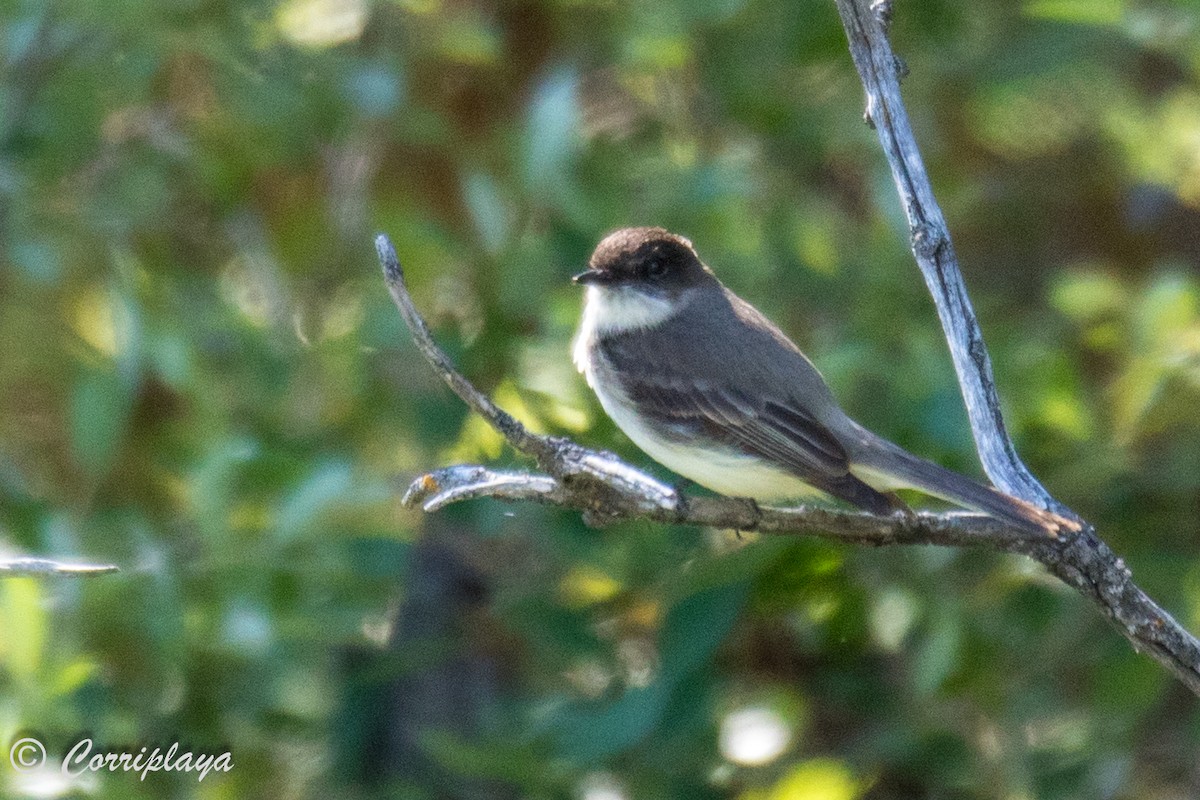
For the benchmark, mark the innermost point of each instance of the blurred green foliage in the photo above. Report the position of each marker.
(203, 380)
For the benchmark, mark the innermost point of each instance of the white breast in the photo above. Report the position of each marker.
(723, 471)
(616, 310)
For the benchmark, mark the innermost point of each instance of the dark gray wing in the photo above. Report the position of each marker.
(716, 397)
(770, 430)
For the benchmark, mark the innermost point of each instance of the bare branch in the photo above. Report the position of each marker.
(439, 489)
(540, 447)
(1083, 561)
(442, 487)
(38, 567)
(929, 237)
(606, 489)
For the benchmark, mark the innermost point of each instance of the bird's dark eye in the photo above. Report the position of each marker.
(656, 268)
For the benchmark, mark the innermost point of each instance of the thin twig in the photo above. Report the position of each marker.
(39, 567)
(865, 25)
(1083, 561)
(520, 437)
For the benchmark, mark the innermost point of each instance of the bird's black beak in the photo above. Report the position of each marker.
(593, 277)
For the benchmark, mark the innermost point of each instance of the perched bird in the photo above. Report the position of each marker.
(707, 386)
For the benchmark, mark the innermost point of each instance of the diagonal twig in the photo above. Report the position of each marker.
(520, 437)
(1083, 560)
(929, 237)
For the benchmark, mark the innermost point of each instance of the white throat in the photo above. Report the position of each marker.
(617, 309)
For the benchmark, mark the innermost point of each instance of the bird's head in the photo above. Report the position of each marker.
(648, 260)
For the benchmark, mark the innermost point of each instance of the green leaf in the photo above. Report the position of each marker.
(697, 624)
(100, 409)
(691, 632)
(938, 654)
(1079, 12)
(74, 675)
(592, 733)
(329, 484)
(23, 617)
(490, 211)
(553, 128)
(501, 760)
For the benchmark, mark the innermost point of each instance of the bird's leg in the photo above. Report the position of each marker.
(754, 509)
(901, 508)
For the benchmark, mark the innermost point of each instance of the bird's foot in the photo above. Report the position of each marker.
(900, 508)
(755, 512)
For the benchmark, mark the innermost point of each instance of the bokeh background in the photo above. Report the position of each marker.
(202, 380)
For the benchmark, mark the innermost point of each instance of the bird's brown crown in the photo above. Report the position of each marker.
(652, 255)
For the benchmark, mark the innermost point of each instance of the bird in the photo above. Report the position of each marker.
(710, 388)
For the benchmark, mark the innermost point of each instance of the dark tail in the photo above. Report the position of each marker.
(885, 465)
(859, 493)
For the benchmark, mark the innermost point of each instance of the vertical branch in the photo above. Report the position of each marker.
(879, 68)
(1083, 560)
